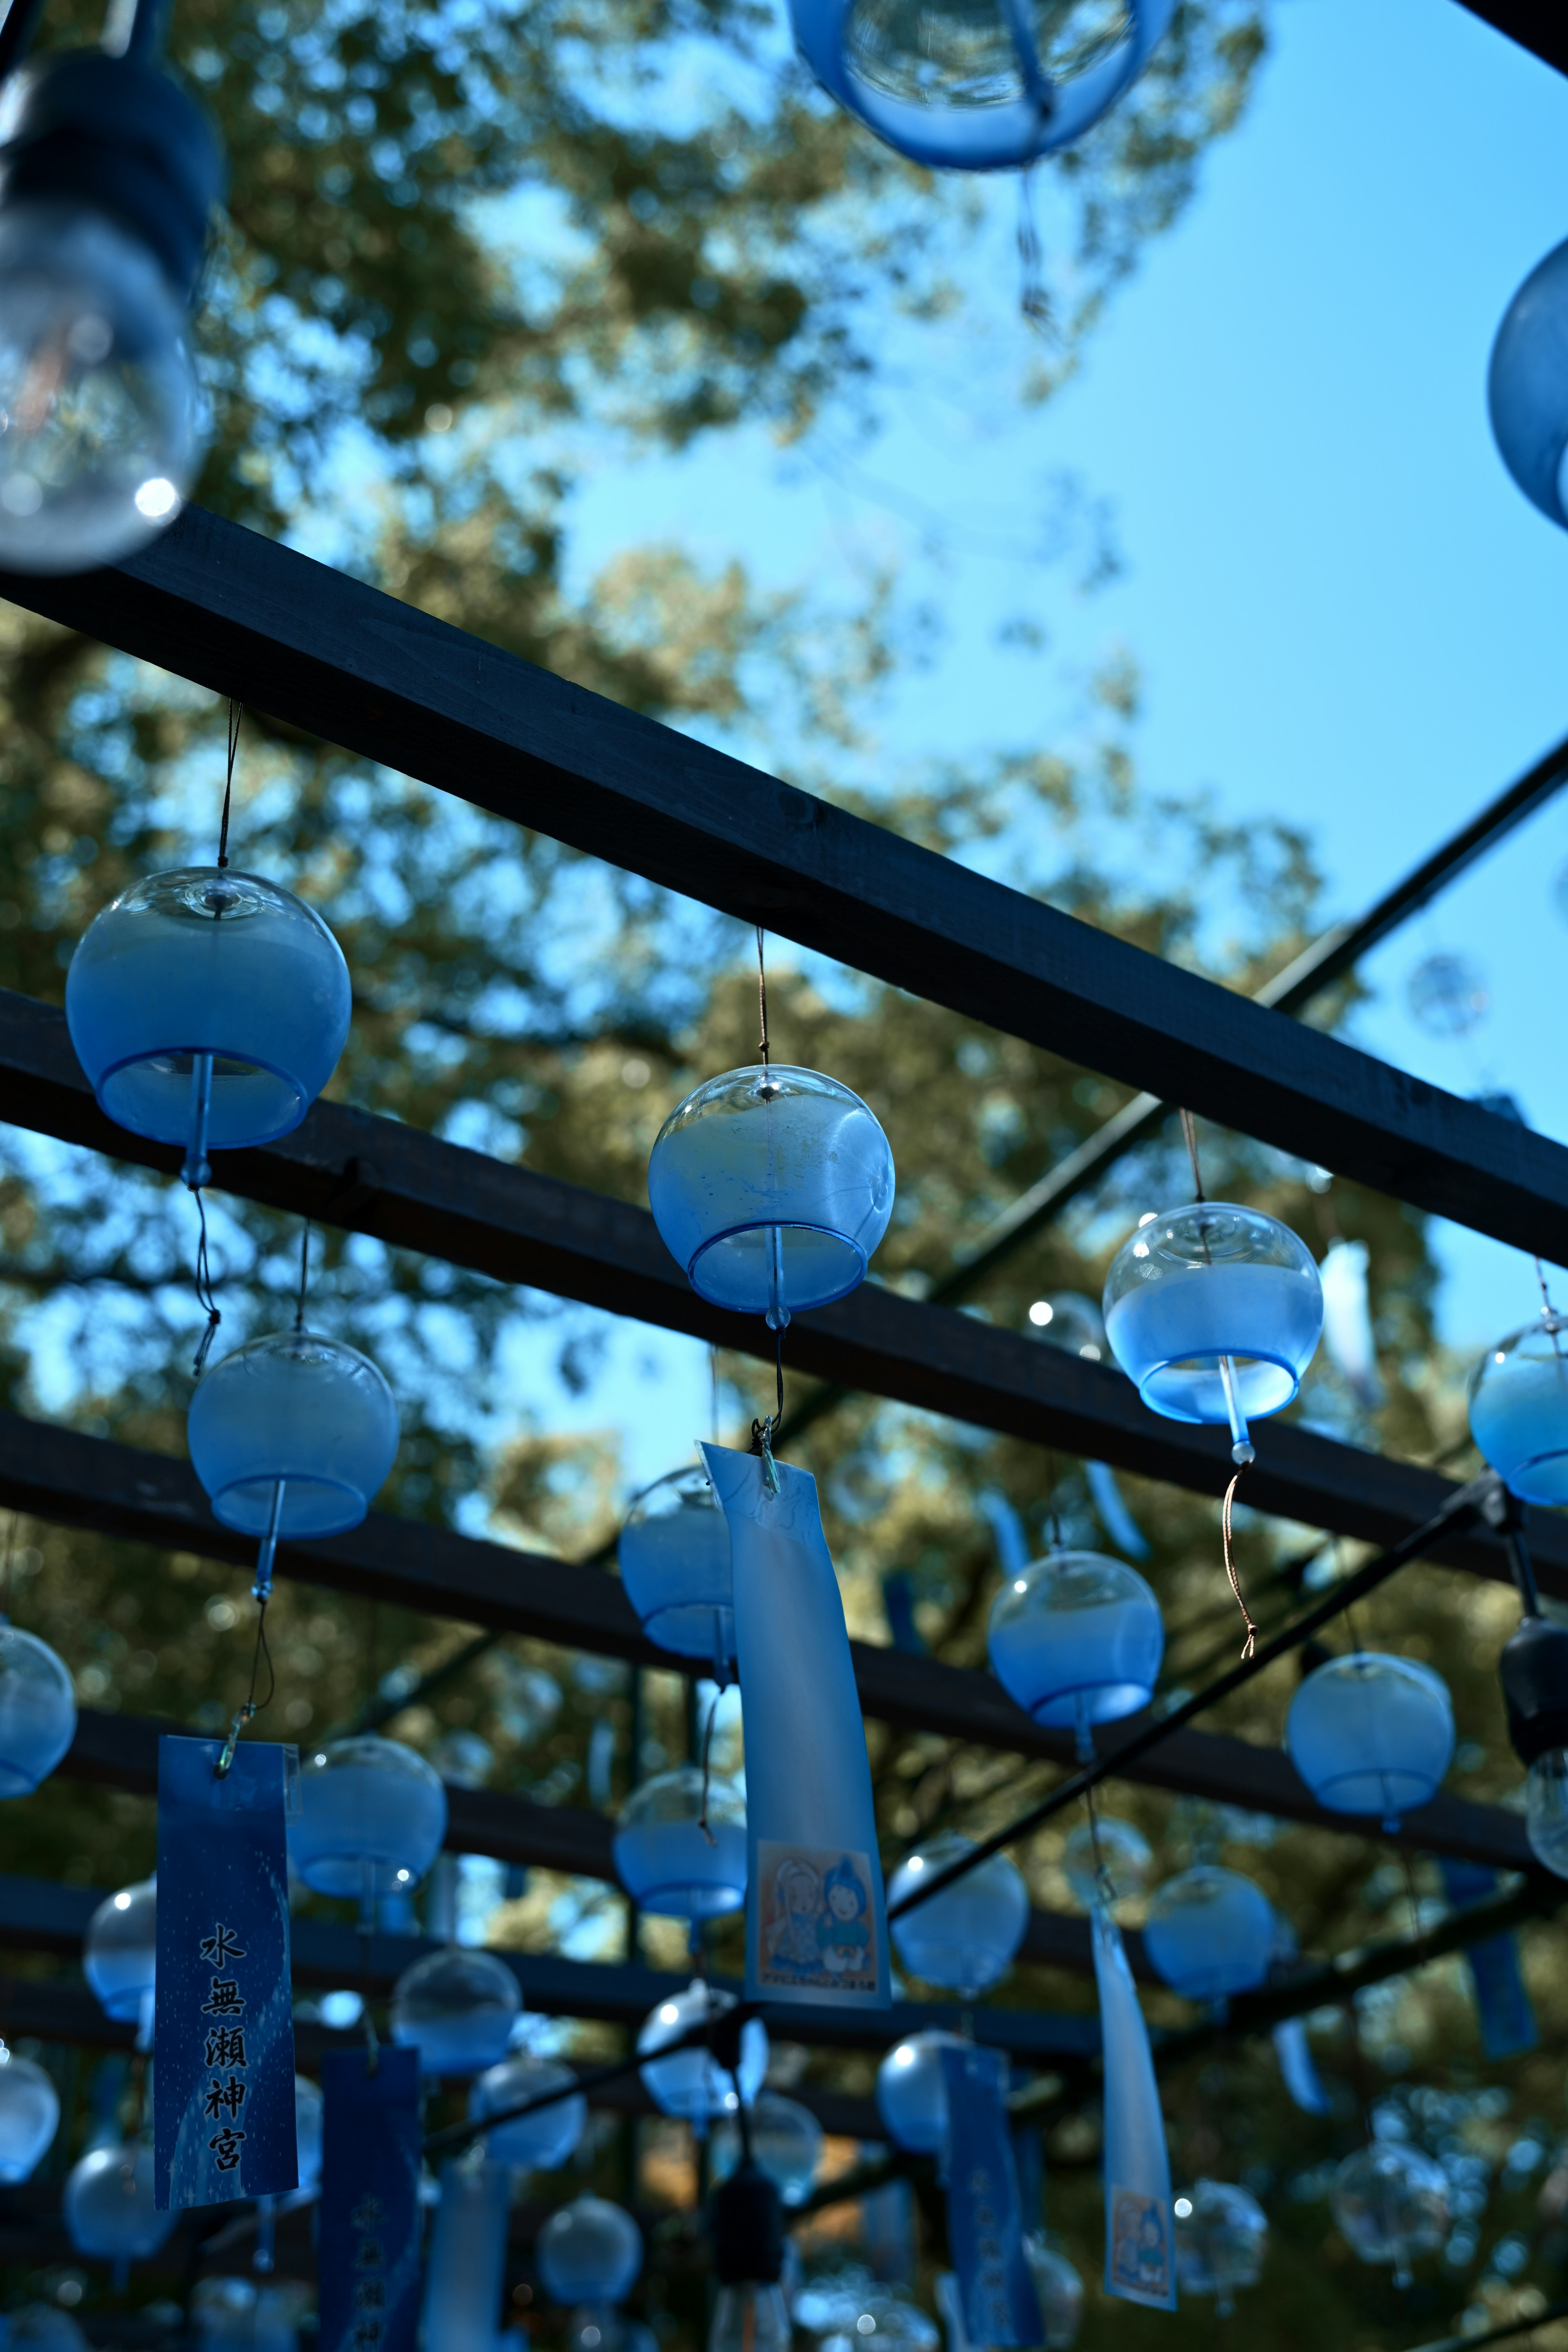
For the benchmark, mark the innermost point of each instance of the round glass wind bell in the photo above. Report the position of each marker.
(29, 2115)
(911, 2093)
(458, 2008)
(977, 88)
(680, 1846)
(786, 2141)
(690, 2082)
(108, 2205)
(37, 1711)
(370, 1819)
(1059, 2290)
(966, 1938)
(120, 1955)
(1222, 2236)
(1108, 1860)
(1390, 2202)
(1518, 1397)
(1077, 1639)
(1210, 1933)
(541, 2142)
(1527, 386)
(772, 1186)
(673, 1554)
(589, 2251)
(1372, 1734)
(208, 1008)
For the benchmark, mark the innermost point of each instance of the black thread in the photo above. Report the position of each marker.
(204, 1299)
(235, 713)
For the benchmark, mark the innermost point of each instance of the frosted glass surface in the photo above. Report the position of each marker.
(771, 1189)
(1372, 1734)
(538, 2143)
(691, 2082)
(673, 1554)
(1077, 1638)
(371, 1818)
(966, 1939)
(589, 2251)
(911, 2093)
(1390, 2202)
(37, 1711)
(670, 1868)
(1210, 1933)
(199, 961)
(108, 2205)
(1208, 1280)
(119, 1952)
(298, 1407)
(1221, 2240)
(1518, 1409)
(29, 2115)
(458, 2009)
(1527, 384)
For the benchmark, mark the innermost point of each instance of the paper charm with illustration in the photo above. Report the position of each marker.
(817, 1918)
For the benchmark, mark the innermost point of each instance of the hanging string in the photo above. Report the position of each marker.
(763, 1000)
(253, 1706)
(707, 1762)
(304, 1274)
(1033, 303)
(1251, 1642)
(204, 1299)
(1189, 1130)
(1052, 1518)
(765, 1432)
(1101, 1874)
(1417, 1929)
(235, 713)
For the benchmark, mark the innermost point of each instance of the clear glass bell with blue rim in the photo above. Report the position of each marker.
(1390, 2204)
(1518, 1399)
(120, 1951)
(458, 2008)
(975, 85)
(772, 1186)
(674, 1556)
(690, 2082)
(668, 1861)
(1077, 1639)
(37, 1711)
(1372, 1734)
(207, 1000)
(966, 1939)
(29, 2115)
(786, 2141)
(108, 2205)
(1221, 2237)
(543, 2141)
(911, 2093)
(589, 2251)
(370, 1816)
(1109, 1861)
(1210, 1933)
(1527, 386)
(1215, 1311)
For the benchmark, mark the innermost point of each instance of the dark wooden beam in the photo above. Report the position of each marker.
(249, 617)
(372, 1175)
(1538, 26)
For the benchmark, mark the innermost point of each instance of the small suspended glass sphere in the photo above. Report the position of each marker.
(1125, 1852)
(663, 1858)
(296, 1410)
(1077, 1639)
(37, 1711)
(911, 2093)
(200, 961)
(1517, 1396)
(1215, 1311)
(1546, 1811)
(589, 2251)
(1527, 386)
(42, 2327)
(674, 1553)
(1372, 1734)
(119, 1952)
(771, 1187)
(1448, 995)
(692, 2084)
(537, 2143)
(369, 1820)
(1058, 2291)
(108, 2205)
(976, 88)
(457, 2007)
(1068, 1320)
(29, 2115)
(1222, 2236)
(786, 2141)
(1390, 2203)
(1210, 1933)
(309, 2112)
(967, 1938)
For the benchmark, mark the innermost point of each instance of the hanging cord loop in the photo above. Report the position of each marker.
(253, 1706)
(762, 1002)
(204, 1299)
(1250, 1643)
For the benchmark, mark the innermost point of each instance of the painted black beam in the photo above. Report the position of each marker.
(1538, 26)
(372, 1175)
(249, 617)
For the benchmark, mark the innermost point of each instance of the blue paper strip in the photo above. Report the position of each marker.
(1138, 2219)
(1503, 2007)
(369, 2245)
(1299, 2068)
(223, 2102)
(984, 2228)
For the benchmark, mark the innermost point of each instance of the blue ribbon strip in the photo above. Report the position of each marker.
(369, 2252)
(984, 2226)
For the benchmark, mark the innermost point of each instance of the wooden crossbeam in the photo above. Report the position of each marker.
(249, 617)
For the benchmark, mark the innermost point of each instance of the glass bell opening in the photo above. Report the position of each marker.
(966, 53)
(298, 1412)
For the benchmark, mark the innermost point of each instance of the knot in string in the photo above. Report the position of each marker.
(1250, 1643)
